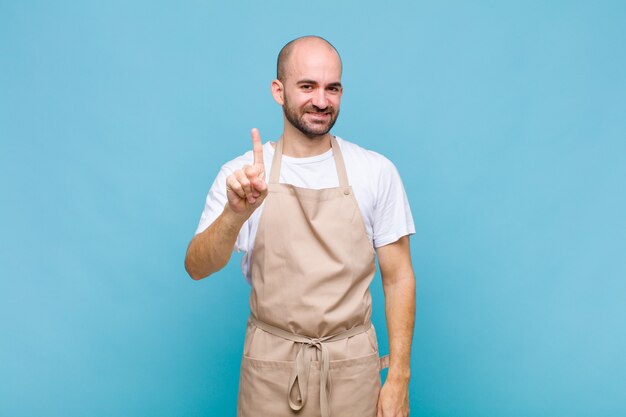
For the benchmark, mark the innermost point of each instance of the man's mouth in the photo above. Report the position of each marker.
(318, 115)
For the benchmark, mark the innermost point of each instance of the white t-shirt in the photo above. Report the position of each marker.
(374, 179)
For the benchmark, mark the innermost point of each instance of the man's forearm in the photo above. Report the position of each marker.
(400, 312)
(210, 251)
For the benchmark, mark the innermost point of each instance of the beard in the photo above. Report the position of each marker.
(311, 129)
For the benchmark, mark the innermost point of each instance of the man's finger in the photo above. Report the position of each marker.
(244, 181)
(233, 184)
(251, 171)
(257, 147)
(259, 185)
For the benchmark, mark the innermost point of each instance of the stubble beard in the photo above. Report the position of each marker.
(310, 130)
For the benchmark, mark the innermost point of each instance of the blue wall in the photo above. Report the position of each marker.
(506, 120)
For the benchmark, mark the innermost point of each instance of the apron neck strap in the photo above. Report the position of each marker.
(275, 170)
(339, 164)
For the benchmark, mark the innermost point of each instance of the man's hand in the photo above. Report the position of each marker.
(246, 188)
(209, 251)
(393, 400)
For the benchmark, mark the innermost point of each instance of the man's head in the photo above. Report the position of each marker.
(308, 84)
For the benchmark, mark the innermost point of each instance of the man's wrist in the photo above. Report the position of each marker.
(233, 218)
(399, 375)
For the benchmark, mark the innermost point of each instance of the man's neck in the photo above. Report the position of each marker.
(298, 145)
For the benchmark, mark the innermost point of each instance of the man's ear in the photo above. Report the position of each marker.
(278, 92)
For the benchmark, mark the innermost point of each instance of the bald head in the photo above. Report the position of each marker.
(304, 44)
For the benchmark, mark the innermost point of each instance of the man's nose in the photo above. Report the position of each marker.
(320, 100)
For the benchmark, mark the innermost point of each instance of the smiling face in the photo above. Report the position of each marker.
(310, 89)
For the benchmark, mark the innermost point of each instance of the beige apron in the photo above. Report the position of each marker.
(310, 348)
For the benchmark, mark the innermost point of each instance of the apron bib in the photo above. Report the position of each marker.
(310, 349)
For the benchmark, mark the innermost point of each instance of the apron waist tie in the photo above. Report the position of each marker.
(299, 380)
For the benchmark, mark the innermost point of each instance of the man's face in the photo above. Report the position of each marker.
(312, 90)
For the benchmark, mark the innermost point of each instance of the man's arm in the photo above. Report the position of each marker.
(210, 251)
(399, 288)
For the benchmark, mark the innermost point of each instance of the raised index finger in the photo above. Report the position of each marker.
(257, 148)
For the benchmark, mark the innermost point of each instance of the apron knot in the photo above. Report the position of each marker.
(299, 381)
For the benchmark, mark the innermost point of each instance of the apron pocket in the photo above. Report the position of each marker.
(263, 388)
(355, 385)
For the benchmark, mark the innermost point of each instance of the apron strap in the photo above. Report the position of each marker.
(339, 164)
(299, 381)
(275, 170)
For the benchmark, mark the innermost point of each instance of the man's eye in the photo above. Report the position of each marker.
(306, 87)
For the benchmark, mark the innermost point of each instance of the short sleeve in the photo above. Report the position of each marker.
(392, 218)
(214, 206)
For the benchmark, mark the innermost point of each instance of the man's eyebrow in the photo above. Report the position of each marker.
(306, 82)
(335, 84)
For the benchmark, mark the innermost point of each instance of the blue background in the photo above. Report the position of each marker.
(506, 120)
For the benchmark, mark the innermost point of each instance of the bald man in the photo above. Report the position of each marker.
(311, 212)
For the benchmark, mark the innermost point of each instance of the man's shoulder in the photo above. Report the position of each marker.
(248, 158)
(357, 154)
(239, 161)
